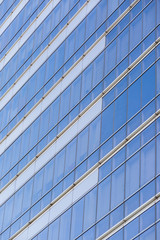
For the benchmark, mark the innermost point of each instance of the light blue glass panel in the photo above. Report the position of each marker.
(75, 92)
(120, 111)
(147, 218)
(118, 158)
(116, 216)
(148, 133)
(102, 226)
(90, 234)
(112, 5)
(101, 12)
(82, 146)
(149, 18)
(8, 213)
(107, 123)
(147, 192)
(117, 236)
(48, 177)
(117, 189)
(43, 234)
(53, 230)
(17, 204)
(1, 216)
(27, 195)
(80, 34)
(44, 120)
(135, 31)
(70, 156)
(131, 229)
(148, 85)
(149, 234)
(122, 45)
(158, 230)
(105, 169)
(86, 80)
(70, 45)
(59, 56)
(90, 209)
(103, 203)
(98, 68)
(91, 23)
(34, 133)
(134, 98)
(37, 188)
(94, 134)
(64, 105)
(49, 67)
(54, 113)
(77, 219)
(110, 57)
(132, 174)
(158, 154)
(59, 166)
(65, 224)
(147, 162)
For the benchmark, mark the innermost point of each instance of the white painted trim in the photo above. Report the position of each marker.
(1, 1)
(59, 207)
(56, 91)
(12, 15)
(51, 151)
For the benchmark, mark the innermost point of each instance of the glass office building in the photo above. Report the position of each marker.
(80, 119)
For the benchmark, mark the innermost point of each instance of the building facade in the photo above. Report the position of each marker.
(80, 119)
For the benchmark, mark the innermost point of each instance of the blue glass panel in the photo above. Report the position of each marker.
(116, 216)
(90, 209)
(120, 111)
(132, 174)
(149, 234)
(90, 234)
(105, 169)
(107, 123)
(48, 177)
(94, 134)
(149, 18)
(122, 45)
(131, 229)
(147, 218)
(103, 198)
(82, 146)
(134, 98)
(117, 236)
(77, 219)
(37, 188)
(117, 189)
(102, 226)
(148, 162)
(131, 204)
(43, 234)
(70, 156)
(65, 224)
(135, 31)
(110, 57)
(59, 166)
